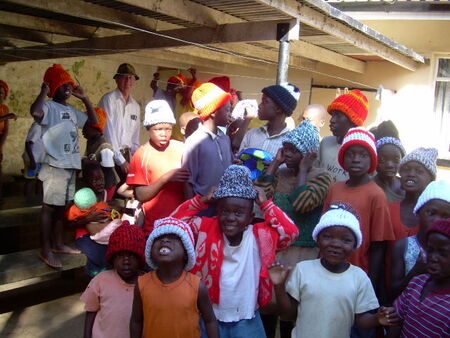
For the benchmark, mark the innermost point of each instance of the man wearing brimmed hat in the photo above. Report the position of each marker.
(123, 123)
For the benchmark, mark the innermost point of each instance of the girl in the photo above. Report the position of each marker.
(169, 301)
(109, 296)
(408, 259)
(329, 290)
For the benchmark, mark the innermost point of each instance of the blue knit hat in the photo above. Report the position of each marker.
(236, 182)
(305, 138)
(285, 95)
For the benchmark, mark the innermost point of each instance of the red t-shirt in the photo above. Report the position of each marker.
(400, 229)
(147, 165)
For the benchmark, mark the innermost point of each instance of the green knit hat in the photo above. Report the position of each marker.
(85, 198)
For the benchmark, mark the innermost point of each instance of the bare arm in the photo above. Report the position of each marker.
(78, 92)
(37, 107)
(287, 305)
(5, 133)
(385, 316)
(137, 314)
(154, 83)
(376, 265)
(206, 311)
(28, 149)
(89, 323)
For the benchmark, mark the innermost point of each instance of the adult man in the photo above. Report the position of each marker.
(123, 124)
(316, 113)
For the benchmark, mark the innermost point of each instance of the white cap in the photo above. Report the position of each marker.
(158, 111)
(436, 190)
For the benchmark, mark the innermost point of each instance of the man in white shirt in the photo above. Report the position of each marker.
(123, 125)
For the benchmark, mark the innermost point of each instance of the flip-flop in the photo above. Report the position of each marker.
(46, 261)
(69, 252)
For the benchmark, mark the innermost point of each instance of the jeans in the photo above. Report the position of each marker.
(245, 328)
(95, 253)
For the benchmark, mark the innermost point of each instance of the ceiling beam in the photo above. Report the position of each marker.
(25, 35)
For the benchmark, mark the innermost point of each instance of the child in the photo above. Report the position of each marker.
(408, 258)
(33, 156)
(358, 156)
(59, 121)
(347, 111)
(327, 295)
(185, 120)
(169, 301)
(109, 296)
(155, 173)
(233, 255)
(208, 142)
(424, 307)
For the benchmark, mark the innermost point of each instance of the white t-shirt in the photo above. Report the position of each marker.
(60, 135)
(239, 279)
(328, 301)
(328, 158)
(35, 136)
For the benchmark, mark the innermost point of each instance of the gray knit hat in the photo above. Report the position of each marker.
(391, 140)
(236, 182)
(305, 138)
(425, 156)
(158, 111)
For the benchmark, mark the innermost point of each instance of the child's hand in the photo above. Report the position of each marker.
(96, 216)
(193, 72)
(45, 88)
(78, 92)
(208, 198)
(279, 273)
(421, 264)
(11, 116)
(156, 76)
(238, 161)
(279, 159)
(261, 197)
(178, 175)
(387, 316)
(307, 162)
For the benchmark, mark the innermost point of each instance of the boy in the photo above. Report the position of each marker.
(155, 173)
(347, 111)
(59, 121)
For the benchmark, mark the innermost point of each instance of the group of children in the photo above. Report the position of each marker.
(316, 240)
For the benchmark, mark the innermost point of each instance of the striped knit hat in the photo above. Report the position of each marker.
(436, 190)
(177, 79)
(354, 105)
(305, 138)
(170, 225)
(362, 137)
(391, 140)
(425, 156)
(208, 98)
(126, 238)
(56, 76)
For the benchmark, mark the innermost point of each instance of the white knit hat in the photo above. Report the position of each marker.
(436, 190)
(339, 215)
(425, 156)
(170, 225)
(158, 111)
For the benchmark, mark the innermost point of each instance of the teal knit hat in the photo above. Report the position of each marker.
(305, 138)
(85, 198)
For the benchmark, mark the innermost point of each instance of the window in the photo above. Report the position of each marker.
(442, 106)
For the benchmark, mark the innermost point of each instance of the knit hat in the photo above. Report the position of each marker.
(56, 76)
(126, 69)
(208, 98)
(5, 86)
(236, 182)
(391, 140)
(85, 198)
(436, 190)
(126, 237)
(177, 79)
(102, 117)
(305, 138)
(158, 111)
(359, 136)
(170, 225)
(425, 156)
(285, 95)
(354, 105)
(441, 226)
(223, 82)
(339, 214)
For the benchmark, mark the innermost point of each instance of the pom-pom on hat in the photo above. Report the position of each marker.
(126, 238)
(85, 198)
(170, 225)
(339, 214)
(102, 117)
(362, 137)
(285, 95)
(158, 111)
(391, 140)
(441, 226)
(5, 86)
(436, 190)
(56, 76)
(305, 138)
(236, 182)
(425, 156)
(208, 98)
(353, 104)
(126, 69)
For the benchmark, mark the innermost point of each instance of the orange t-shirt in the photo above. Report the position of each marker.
(74, 213)
(371, 204)
(147, 166)
(170, 310)
(400, 229)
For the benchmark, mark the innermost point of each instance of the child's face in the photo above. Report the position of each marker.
(340, 123)
(357, 160)
(292, 155)
(95, 180)
(126, 264)
(234, 214)
(168, 249)
(414, 177)
(222, 117)
(438, 256)
(160, 134)
(2, 94)
(336, 244)
(63, 92)
(267, 109)
(90, 132)
(432, 211)
(389, 157)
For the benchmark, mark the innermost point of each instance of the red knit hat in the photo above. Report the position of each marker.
(56, 76)
(208, 98)
(5, 87)
(362, 137)
(441, 226)
(354, 105)
(177, 79)
(126, 238)
(222, 82)
(102, 117)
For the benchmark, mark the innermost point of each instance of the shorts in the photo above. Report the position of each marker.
(58, 184)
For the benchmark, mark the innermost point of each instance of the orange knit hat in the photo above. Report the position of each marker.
(354, 105)
(102, 116)
(56, 76)
(208, 98)
(5, 87)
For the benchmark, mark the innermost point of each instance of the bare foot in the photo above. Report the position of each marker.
(50, 259)
(64, 249)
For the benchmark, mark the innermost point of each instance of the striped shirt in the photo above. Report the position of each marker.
(428, 317)
(260, 138)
